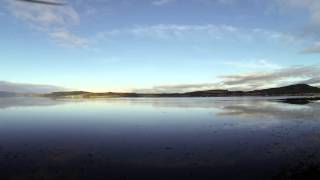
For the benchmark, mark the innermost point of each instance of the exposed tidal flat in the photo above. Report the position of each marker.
(160, 138)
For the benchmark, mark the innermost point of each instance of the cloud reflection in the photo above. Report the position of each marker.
(257, 108)
(246, 107)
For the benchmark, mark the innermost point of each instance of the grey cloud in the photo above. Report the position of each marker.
(28, 88)
(185, 87)
(272, 77)
(179, 88)
(311, 6)
(313, 49)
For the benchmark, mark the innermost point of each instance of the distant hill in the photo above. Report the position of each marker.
(7, 94)
(297, 89)
(213, 93)
(292, 90)
(68, 93)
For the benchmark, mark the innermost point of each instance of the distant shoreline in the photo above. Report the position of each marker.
(292, 90)
(301, 91)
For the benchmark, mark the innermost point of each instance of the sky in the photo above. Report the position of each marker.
(158, 45)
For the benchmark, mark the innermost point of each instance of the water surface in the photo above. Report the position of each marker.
(157, 138)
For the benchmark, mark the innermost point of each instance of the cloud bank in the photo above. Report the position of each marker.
(249, 81)
(240, 81)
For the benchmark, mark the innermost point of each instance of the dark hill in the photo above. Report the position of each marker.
(297, 89)
(213, 93)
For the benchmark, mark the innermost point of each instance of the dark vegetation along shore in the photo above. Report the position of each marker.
(292, 90)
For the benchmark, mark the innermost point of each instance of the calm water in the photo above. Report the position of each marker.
(161, 138)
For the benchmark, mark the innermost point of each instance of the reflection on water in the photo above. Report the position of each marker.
(160, 138)
(8, 102)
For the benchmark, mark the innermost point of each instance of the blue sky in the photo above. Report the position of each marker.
(159, 45)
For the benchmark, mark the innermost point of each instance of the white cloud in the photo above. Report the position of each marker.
(199, 32)
(165, 31)
(170, 31)
(162, 2)
(254, 64)
(224, 2)
(56, 21)
(275, 35)
(66, 38)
